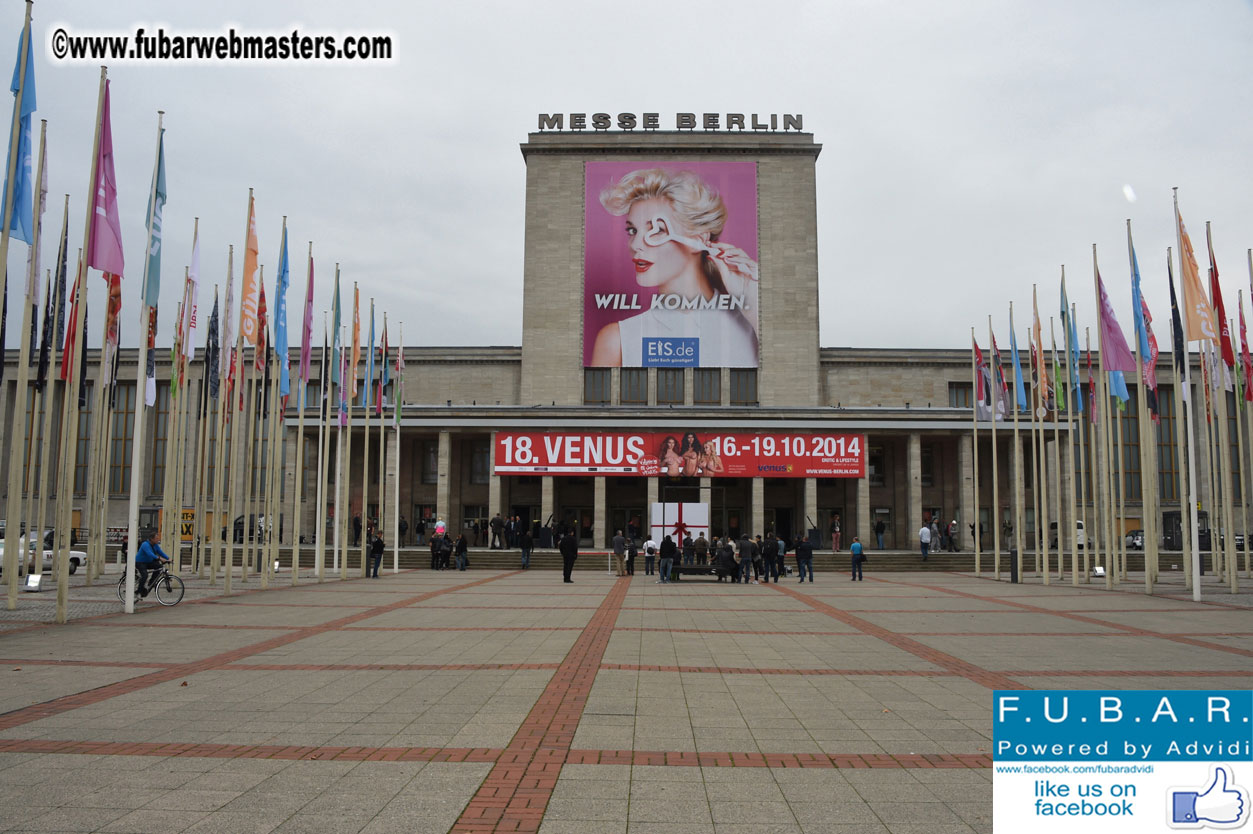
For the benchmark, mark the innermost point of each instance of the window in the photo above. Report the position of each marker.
(596, 382)
(430, 461)
(473, 513)
(160, 434)
(707, 386)
(877, 466)
(669, 386)
(743, 386)
(634, 386)
(959, 395)
(928, 456)
(1167, 446)
(480, 461)
(122, 438)
(84, 443)
(1129, 421)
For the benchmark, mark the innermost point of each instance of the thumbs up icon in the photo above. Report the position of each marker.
(1222, 804)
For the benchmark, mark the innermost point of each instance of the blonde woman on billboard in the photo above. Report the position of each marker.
(673, 221)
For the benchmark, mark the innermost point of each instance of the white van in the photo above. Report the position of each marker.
(1081, 537)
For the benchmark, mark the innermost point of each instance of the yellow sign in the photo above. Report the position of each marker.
(187, 527)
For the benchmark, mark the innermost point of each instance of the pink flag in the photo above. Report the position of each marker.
(1115, 355)
(104, 246)
(307, 332)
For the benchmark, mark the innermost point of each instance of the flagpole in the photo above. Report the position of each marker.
(69, 437)
(13, 533)
(1147, 437)
(399, 388)
(274, 444)
(382, 488)
(996, 494)
(324, 436)
(22, 492)
(974, 412)
(1096, 534)
(1207, 441)
(365, 454)
(47, 402)
(1071, 373)
(218, 549)
(1187, 404)
(1057, 464)
(1017, 458)
(1120, 472)
(1223, 430)
(1041, 522)
(346, 467)
(301, 404)
(1107, 527)
(202, 500)
(1079, 432)
(1243, 481)
(238, 443)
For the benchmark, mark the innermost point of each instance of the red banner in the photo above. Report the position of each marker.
(684, 454)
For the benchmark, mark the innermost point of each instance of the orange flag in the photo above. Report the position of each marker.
(1198, 314)
(251, 296)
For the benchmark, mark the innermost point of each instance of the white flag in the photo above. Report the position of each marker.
(192, 296)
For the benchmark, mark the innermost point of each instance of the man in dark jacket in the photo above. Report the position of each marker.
(376, 555)
(668, 551)
(569, 548)
(745, 548)
(804, 558)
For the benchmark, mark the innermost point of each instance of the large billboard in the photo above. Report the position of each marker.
(670, 275)
(681, 454)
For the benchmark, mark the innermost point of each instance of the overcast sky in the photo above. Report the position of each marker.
(970, 149)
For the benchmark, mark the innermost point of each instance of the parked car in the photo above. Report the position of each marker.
(78, 558)
(1135, 539)
(1081, 536)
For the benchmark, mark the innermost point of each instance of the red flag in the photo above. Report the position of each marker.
(71, 329)
(1224, 326)
(112, 309)
(981, 393)
(378, 399)
(104, 243)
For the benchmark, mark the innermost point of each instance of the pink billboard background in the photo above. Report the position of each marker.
(607, 266)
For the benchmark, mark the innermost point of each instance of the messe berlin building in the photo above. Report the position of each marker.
(670, 353)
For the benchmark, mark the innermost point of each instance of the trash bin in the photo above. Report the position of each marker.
(1013, 565)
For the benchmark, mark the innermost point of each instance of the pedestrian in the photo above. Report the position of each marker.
(879, 529)
(650, 553)
(632, 550)
(689, 550)
(924, 539)
(376, 554)
(356, 530)
(724, 557)
(952, 536)
(667, 552)
(445, 550)
(859, 559)
(780, 566)
(527, 542)
(935, 535)
(746, 559)
(435, 542)
(835, 531)
(402, 527)
(419, 530)
(804, 558)
(619, 553)
(498, 530)
(701, 549)
(462, 547)
(769, 551)
(569, 548)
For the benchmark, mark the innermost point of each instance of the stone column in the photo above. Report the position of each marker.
(654, 495)
(757, 508)
(547, 499)
(443, 481)
(600, 513)
(810, 501)
(707, 492)
(965, 465)
(864, 528)
(915, 484)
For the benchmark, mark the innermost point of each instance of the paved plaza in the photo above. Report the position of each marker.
(509, 701)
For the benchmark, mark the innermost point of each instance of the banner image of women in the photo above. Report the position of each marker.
(670, 265)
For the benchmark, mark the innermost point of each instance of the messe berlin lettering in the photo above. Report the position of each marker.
(682, 121)
(689, 453)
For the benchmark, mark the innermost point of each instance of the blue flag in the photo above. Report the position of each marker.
(156, 207)
(280, 320)
(1020, 390)
(1142, 333)
(1118, 386)
(1072, 350)
(21, 222)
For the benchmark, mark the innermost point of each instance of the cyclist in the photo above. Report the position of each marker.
(149, 558)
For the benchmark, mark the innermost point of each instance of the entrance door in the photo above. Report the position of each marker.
(783, 523)
(529, 516)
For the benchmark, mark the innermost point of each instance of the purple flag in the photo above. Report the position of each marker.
(1115, 355)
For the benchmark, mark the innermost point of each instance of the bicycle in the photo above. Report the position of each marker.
(169, 586)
